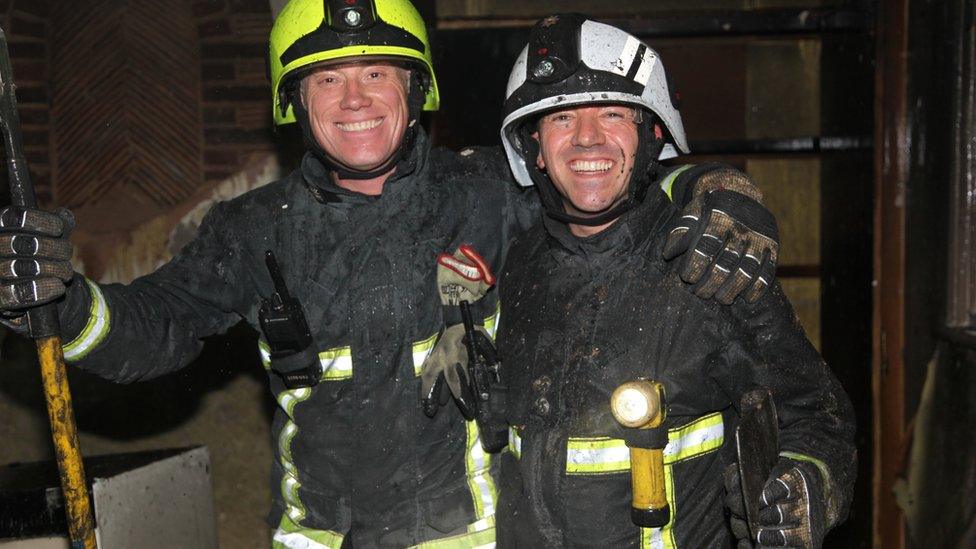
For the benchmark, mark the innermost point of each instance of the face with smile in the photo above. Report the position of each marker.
(588, 153)
(358, 111)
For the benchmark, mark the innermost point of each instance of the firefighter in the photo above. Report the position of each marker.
(347, 302)
(588, 304)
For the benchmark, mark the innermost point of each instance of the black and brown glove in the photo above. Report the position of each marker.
(728, 239)
(35, 260)
(793, 511)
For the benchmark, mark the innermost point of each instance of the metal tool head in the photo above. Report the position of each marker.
(757, 444)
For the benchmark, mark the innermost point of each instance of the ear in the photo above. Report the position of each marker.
(539, 161)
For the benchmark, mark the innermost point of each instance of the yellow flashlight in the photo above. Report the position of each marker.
(639, 404)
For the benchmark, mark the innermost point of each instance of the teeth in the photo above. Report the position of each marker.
(591, 165)
(359, 126)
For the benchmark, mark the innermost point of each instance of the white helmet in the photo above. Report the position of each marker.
(571, 60)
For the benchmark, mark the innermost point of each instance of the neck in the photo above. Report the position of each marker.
(371, 187)
(583, 231)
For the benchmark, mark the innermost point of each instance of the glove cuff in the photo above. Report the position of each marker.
(818, 475)
(75, 310)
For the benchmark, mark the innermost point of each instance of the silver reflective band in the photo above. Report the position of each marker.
(421, 350)
(336, 363)
(98, 326)
(595, 455)
(478, 470)
(601, 455)
(514, 442)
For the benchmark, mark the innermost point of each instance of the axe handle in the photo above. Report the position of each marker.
(81, 526)
(46, 332)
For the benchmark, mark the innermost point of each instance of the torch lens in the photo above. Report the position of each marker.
(630, 406)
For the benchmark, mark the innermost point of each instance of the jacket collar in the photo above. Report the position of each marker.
(632, 231)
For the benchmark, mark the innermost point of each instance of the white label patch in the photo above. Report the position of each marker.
(622, 64)
(646, 66)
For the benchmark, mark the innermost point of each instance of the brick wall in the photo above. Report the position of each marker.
(235, 96)
(25, 23)
(236, 92)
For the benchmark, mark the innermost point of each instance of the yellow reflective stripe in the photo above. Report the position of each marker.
(336, 362)
(98, 325)
(596, 455)
(288, 399)
(514, 443)
(668, 182)
(491, 322)
(478, 468)
(482, 524)
(294, 508)
(663, 538)
(668, 529)
(265, 351)
(694, 439)
(289, 535)
(481, 539)
(421, 350)
(610, 455)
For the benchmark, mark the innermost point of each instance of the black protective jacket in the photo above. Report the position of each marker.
(354, 453)
(582, 316)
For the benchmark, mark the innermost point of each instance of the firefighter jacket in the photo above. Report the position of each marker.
(581, 316)
(355, 453)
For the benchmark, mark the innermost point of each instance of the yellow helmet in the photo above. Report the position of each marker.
(311, 32)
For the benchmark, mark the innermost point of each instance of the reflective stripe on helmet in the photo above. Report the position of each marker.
(304, 36)
(618, 68)
(98, 325)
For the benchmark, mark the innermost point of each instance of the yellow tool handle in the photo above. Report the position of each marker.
(647, 478)
(81, 527)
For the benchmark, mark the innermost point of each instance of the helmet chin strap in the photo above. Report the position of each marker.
(648, 148)
(415, 102)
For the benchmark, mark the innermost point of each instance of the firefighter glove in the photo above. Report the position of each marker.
(35, 258)
(463, 276)
(728, 238)
(448, 365)
(792, 512)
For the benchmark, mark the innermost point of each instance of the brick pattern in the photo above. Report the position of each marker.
(234, 92)
(235, 89)
(125, 107)
(25, 23)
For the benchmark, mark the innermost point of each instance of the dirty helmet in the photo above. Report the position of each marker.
(571, 60)
(311, 33)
